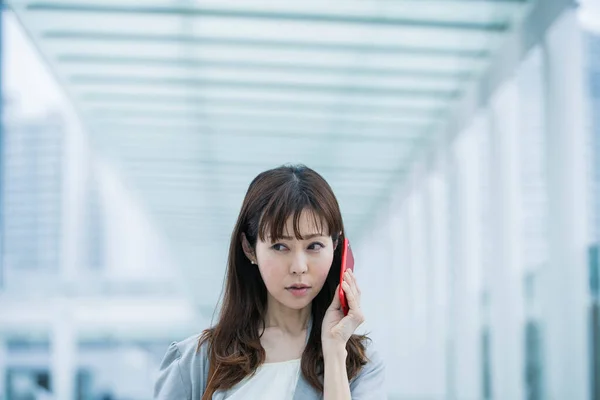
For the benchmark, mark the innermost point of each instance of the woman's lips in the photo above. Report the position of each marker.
(298, 291)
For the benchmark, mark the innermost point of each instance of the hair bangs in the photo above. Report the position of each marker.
(288, 202)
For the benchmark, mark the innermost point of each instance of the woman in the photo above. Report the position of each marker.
(281, 333)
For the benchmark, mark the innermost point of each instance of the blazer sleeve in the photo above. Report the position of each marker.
(171, 384)
(369, 384)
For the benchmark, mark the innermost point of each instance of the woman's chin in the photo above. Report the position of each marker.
(297, 305)
(294, 302)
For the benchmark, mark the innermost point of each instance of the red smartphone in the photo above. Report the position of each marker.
(347, 263)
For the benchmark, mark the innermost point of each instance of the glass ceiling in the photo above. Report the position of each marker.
(191, 99)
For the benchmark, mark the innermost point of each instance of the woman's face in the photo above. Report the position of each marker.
(294, 271)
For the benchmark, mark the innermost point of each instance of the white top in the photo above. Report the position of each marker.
(272, 381)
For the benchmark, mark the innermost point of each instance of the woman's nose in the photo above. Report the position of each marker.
(299, 265)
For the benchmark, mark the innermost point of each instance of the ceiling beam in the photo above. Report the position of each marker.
(68, 36)
(120, 131)
(133, 81)
(197, 64)
(229, 100)
(203, 12)
(213, 119)
(232, 181)
(194, 103)
(385, 140)
(246, 166)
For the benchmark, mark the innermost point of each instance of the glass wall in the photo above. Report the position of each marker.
(504, 271)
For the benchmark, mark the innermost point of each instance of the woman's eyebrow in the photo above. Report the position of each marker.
(306, 237)
(313, 235)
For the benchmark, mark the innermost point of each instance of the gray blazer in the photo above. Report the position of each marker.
(183, 374)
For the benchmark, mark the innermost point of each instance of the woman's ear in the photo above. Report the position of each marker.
(248, 250)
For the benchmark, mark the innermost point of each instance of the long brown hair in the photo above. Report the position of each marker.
(234, 346)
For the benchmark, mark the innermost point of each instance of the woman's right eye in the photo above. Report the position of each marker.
(278, 247)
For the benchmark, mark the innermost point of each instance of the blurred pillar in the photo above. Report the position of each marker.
(506, 302)
(2, 151)
(63, 344)
(3, 351)
(77, 159)
(453, 200)
(401, 295)
(467, 268)
(564, 289)
(3, 361)
(414, 228)
(439, 283)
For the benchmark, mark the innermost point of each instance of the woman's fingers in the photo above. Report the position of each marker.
(353, 296)
(351, 279)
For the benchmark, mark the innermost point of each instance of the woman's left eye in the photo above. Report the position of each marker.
(315, 246)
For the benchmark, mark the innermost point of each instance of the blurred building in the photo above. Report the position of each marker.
(32, 193)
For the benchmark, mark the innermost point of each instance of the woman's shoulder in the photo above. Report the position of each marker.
(190, 348)
(373, 353)
(182, 371)
(370, 381)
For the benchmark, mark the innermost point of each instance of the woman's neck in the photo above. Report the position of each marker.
(288, 320)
